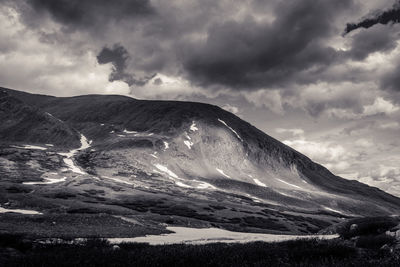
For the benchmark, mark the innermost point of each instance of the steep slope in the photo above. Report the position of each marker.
(191, 163)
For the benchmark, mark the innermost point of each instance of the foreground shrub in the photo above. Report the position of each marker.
(98, 252)
(367, 226)
(15, 241)
(374, 241)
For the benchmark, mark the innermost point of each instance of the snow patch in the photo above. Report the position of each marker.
(84, 142)
(288, 183)
(258, 182)
(166, 170)
(27, 212)
(204, 185)
(188, 144)
(166, 145)
(154, 156)
(71, 165)
(193, 127)
(31, 147)
(53, 117)
(284, 194)
(332, 210)
(187, 136)
(183, 185)
(237, 135)
(47, 181)
(51, 145)
(118, 180)
(69, 155)
(257, 200)
(129, 132)
(222, 172)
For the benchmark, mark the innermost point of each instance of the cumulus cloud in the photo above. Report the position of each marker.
(294, 132)
(338, 99)
(380, 105)
(323, 152)
(162, 86)
(384, 177)
(358, 157)
(270, 99)
(364, 142)
(230, 108)
(390, 125)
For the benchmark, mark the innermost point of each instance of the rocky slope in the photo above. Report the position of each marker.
(171, 162)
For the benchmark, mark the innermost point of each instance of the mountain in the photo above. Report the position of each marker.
(152, 163)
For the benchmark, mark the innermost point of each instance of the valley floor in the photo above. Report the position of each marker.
(195, 236)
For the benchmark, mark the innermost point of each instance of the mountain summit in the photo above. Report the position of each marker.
(107, 157)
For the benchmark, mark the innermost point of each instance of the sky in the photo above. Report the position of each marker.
(321, 76)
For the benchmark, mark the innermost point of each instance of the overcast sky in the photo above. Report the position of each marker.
(323, 76)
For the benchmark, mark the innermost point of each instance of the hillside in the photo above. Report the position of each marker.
(156, 163)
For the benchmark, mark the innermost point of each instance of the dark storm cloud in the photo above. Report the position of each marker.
(389, 16)
(118, 56)
(87, 13)
(240, 53)
(250, 54)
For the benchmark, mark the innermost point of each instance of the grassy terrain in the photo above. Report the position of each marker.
(84, 205)
(15, 251)
(68, 226)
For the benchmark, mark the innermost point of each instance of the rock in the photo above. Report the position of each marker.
(386, 247)
(353, 227)
(390, 233)
(397, 235)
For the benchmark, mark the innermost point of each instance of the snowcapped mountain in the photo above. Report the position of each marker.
(155, 162)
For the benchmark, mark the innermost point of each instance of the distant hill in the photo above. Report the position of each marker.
(21, 122)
